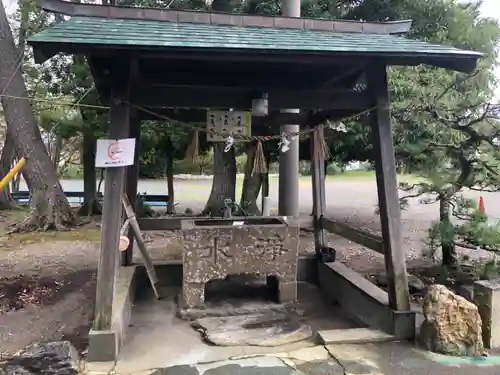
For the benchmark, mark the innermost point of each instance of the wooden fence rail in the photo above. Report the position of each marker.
(361, 237)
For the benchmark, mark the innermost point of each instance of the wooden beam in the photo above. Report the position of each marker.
(131, 188)
(251, 76)
(174, 223)
(319, 194)
(356, 235)
(164, 223)
(273, 119)
(112, 207)
(387, 186)
(145, 96)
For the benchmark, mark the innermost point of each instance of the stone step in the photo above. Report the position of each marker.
(353, 336)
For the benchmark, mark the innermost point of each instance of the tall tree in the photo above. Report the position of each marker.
(8, 149)
(445, 124)
(224, 178)
(51, 209)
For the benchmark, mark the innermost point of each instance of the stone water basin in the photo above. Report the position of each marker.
(216, 248)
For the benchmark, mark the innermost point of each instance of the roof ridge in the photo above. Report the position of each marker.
(227, 19)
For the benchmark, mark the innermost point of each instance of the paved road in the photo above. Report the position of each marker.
(344, 197)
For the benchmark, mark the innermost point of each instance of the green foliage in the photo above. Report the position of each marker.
(203, 164)
(334, 168)
(473, 231)
(477, 231)
(488, 270)
(73, 172)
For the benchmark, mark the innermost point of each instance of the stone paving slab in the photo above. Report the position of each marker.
(401, 358)
(396, 358)
(246, 366)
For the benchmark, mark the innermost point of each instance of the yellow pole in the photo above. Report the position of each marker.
(12, 173)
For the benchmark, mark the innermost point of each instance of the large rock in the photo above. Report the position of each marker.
(452, 325)
(53, 358)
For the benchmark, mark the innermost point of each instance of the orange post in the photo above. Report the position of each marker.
(481, 206)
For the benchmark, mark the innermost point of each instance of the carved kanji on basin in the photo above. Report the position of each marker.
(214, 249)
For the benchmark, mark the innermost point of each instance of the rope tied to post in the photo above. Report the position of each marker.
(259, 159)
(320, 146)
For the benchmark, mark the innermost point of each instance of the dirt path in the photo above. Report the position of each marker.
(47, 291)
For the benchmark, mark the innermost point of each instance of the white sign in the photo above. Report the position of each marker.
(115, 152)
(221, 124)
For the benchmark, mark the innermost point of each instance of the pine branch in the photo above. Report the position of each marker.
(473, 247)
(484, 189)
(409, 196)
(457, 214)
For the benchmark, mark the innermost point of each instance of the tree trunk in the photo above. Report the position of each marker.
(8, 153)
(56, 157)
(251, 185)
(170, 178)
(447, 232)
(6, 202)
(50, 208)
(91, 205)
(24, 26)
(224, 181)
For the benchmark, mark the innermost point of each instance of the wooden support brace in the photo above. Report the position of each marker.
(125, 227)
(387, 186)
(134, 226)
(132, 185)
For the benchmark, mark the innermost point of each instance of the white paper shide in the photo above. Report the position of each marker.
(115, 153)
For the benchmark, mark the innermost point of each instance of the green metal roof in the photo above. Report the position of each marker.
(148, 33)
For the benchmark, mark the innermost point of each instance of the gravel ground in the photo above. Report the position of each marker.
(54, 281)
(67, 270)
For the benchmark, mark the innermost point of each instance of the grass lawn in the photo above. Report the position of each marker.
(370, 175)
(357, 175)
(8, 218)
(360, 176)
(201, 192)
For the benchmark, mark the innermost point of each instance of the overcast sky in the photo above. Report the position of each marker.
(490, 8)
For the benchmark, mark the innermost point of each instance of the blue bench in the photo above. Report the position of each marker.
(77, 197)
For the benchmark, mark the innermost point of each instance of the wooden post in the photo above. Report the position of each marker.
(131, 188)
(134, 225)
(387, 186)
(319, 197)
(112, 205)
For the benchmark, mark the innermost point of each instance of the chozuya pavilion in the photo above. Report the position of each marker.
(156, 63)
